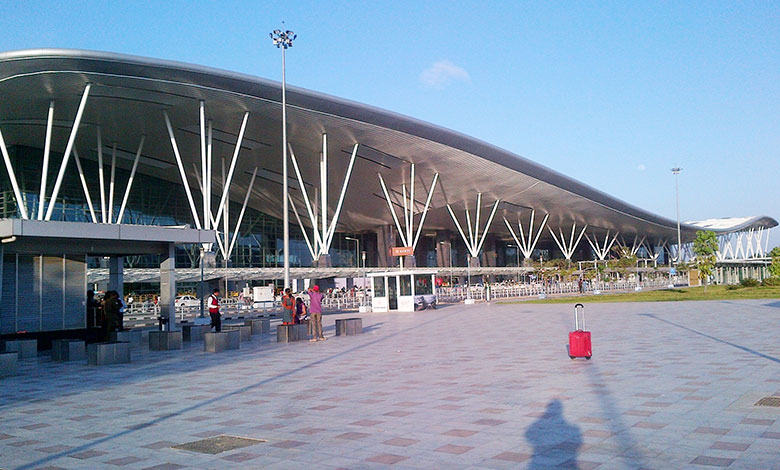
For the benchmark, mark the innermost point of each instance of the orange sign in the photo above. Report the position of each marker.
(401, 251)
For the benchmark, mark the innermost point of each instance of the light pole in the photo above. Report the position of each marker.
(365, 289)
(449, 244)
(517, 250)
(283, 40)
(357, 249)
(676, 171)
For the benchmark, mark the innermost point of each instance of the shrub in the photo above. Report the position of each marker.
(771, 281)
(733, 287)
(749, 282)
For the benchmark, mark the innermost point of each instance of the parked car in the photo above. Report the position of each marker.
(187, 301)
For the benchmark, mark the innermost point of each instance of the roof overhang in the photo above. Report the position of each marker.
(130, 93)
(55, 237)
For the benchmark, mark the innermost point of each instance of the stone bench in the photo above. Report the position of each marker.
(194, 332)
(25, 348)
(290, 333)
(134, 337)
(259, 325)
(349, 326)
(222, 341)
(164, 340)
(8, 363)
(101, 354)
(68, 350)
(245, 331)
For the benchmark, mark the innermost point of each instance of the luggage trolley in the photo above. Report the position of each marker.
(579, 339)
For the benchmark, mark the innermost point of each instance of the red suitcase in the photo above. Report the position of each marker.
(579, 339)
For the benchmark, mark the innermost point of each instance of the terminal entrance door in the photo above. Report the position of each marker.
(392, 293)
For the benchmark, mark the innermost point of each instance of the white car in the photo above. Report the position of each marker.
(187, 301)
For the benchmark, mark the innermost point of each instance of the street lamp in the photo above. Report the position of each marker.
(517, 250)
(357, 249)
(365, 290)
(283, 40)
(450, 250)
(676, 171)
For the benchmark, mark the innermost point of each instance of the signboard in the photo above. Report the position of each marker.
(672, 271)
(401, 251)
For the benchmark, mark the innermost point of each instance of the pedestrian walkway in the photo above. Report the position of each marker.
(670, 385)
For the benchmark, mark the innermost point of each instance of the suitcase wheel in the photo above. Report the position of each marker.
(571, 357)
(588, 357)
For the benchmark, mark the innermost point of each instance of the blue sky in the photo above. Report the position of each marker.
(613, 94)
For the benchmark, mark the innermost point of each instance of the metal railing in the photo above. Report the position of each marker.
(457, 294)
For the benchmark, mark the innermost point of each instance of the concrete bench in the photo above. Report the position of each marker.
(8, 363)
(164, 340)
(259, 325)
(25, 348)
(194, 332)
(68, 350)
(349, 326)
(222, 341)
(244, 331)
(101, 354)
(290, 333)
(134, 337)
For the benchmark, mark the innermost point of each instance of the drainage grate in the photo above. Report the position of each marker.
(769, 401)
(219, 444)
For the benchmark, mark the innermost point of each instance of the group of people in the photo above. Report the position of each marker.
(295, 312)
(108, 313)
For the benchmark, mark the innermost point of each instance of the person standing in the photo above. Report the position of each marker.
(288, 302)
(315, 314)
(216, 318)
(111, 309)
(300, 312)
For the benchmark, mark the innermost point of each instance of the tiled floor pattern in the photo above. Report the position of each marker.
(670, 386)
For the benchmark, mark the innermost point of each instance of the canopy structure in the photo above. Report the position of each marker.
(179, 113)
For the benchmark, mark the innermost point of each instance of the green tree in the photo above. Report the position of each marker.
(774, 268)
(704, 247)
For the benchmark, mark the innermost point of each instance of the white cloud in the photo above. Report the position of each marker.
(442, 73)
(641, 167)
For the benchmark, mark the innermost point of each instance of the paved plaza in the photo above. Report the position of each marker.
(670, 386)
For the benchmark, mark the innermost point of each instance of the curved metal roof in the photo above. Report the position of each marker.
(130, 93)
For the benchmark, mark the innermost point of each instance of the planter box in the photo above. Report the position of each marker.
(290, 333)
(194, 332)
(349, 326)
(68, 350)
(25, 348)
(259, 325)
(8, 363)
(101, 354)
(222, 341)
(164, 340)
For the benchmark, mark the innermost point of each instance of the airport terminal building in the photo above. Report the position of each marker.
(106, 140)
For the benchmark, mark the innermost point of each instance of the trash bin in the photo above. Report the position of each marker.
(163, 323)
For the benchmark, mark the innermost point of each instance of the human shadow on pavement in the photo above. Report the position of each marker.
(555, 441)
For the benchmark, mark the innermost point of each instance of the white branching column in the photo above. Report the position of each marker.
(625, 250)
(601, 249)
(567, 246)
(409, 237)
(527, 245)
(474, 241)
(322, 231)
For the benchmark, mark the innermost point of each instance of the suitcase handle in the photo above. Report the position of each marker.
(579, 311)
